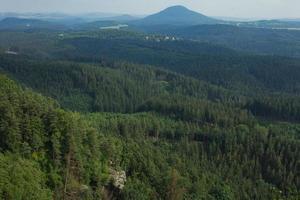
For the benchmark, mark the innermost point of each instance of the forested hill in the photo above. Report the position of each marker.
(215, 64)
(264, 41)
(125, 87)
(20, 24)
(107, 86)
(205, 61)
(46, 152)
(188, 149)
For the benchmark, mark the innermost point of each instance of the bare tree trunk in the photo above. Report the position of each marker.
(67, 175)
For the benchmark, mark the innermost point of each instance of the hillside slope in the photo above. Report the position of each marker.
(65, 155)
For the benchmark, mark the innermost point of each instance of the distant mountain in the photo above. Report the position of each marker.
(114, 22)
(273, 24)
(61, 18)
(177, 15)
(19, 23)
(291, 19)
(270, 41)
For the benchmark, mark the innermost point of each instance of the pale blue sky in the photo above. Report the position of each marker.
(232, 8)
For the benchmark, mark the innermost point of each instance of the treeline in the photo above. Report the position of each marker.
(276, 107)
(110, 87)
(199, 111)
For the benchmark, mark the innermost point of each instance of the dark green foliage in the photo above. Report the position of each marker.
(53, 141)
(221, 193)
(201, 111)
(137, 190)
(21, 179)
(120, 87)
(212, 162)
(204, 61)
(282, 107)
(188, 149)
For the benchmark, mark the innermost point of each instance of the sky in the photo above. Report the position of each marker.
(226, 8)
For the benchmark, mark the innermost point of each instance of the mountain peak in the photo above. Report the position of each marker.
(177, 15)
(178, 10)
(177, 7)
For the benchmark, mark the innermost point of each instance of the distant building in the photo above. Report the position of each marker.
(11, 52)
(114, 27)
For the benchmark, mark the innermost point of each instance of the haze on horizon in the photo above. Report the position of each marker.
(225, 8)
